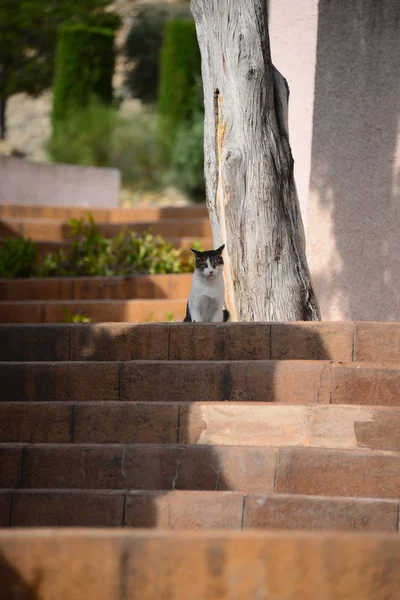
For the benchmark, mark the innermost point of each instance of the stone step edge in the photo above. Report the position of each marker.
(111, 565)
(195, 509)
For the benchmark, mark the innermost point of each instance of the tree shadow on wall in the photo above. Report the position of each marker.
(354, 175)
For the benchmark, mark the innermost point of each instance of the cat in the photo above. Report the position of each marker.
(207, 294)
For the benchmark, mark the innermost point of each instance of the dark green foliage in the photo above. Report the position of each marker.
(84, 69)
(91, 254)
(28, 34)
(180, 68)
(143, 47)
(17, 258)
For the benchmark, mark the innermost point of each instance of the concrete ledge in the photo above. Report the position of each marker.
(64, 185)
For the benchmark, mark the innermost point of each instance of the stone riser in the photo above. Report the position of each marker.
(344, 342)
(255, 470)
(246, 424)
(51, 230)
(120, 311)
(193, 510)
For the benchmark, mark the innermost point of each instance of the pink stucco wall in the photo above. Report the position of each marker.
(342, 63)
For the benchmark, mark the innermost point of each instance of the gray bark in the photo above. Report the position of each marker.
(251, 193)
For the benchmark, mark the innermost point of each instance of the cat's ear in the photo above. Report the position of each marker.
(196, 252)
(220, 249)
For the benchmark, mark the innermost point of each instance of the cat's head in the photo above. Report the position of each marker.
(210, 263)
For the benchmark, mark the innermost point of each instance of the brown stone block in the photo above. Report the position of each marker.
(62, 565)
(290, 382)
(213, 341)
(366, 384)
(119, 341)
(68, 508)
(5, 508)
(312, 341)
(61, 381)
(338, 473)
(184, 510)
(21, 312)
(34, 342)
(377, 342)
(152, 381)
(32, 422)
(250, 470)
(125, 423)
(10, 465)
(310, 512)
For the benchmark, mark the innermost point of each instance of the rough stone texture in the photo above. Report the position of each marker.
(338, 473)
(184, 510)
(32, 343)
(32, 422)
(366, 384)
(67, 508)
(206, 341)
(251, 424)
(119, 342)
(36, 382)
(269, 381)
(308, 512)
(312, 341)
(377, 342)
(22, 181)
(5, 508)
(199, 565)
(125, 423)
(10, 465)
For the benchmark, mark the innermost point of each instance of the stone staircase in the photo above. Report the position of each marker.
(233, 426)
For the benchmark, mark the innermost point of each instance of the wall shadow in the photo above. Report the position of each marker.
(355, 182)
(13, 587)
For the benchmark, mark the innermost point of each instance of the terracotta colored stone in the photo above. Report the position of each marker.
(338, 473)
(61, 381)
(21, 312)
(34, 342)
(125, 423)
(168, 228)
(67, 508)
(10, 465)
(184, 510)
(211, 341)
(5, 508)
(119, 341)
(35, 565)
(312, 341)
(290, 382)
(311, 512)
(377, 342)
(32, 422)
(250, 470)
(366, 384)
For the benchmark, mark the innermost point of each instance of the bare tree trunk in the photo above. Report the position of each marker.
(251, 193)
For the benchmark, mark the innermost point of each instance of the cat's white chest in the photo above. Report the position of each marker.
(207, 299)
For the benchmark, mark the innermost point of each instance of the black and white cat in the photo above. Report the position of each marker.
(207, 295)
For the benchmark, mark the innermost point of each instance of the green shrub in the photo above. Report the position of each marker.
(91, 254)
(180, 67)
(84, 67)
(69, 317)
(143, 47)
(18, 258)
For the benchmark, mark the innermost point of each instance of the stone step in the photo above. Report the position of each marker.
(210, 424)
(112, 565)
(113, 215)
(194, 510)
(52, 230)
(98, 311)
(345, 342)
(255, 470)
(146, 287)
(288, 382)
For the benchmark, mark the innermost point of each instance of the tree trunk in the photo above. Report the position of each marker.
(251, 193)
(3, 130)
